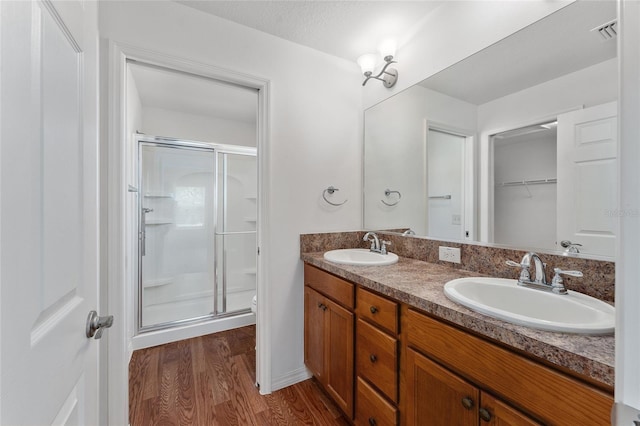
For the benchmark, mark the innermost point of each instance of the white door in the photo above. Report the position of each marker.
(49, 212)
(587, 178)
(445, 185)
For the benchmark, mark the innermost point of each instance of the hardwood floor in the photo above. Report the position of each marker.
(209, 380)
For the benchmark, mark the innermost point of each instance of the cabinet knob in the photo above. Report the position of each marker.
(467, 403)
(373, 309)
(485, 415)
(373, 358)
(322, 306)
(372, 421)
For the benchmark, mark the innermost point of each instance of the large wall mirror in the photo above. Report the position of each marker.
(514, 146)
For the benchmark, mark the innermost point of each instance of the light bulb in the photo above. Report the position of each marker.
(368, 62)
(387, 49)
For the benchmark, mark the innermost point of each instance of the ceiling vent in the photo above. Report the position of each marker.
(607, 31)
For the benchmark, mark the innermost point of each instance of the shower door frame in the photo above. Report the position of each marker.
(215, 149)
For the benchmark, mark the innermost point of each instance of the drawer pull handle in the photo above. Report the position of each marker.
(372, 421)
(322, 306)
(467, 403)
(485, 415)
(373, 358)
(373, 309)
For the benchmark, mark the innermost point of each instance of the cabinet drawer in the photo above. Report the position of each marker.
(372, 409)
(377, 358)
(554, 397)
(377, 309)
(331, 286)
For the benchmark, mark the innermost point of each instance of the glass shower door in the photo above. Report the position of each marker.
(177, 234)
(236, 231)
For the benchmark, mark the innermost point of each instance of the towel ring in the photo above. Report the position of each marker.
(388, 192)
(331, 190)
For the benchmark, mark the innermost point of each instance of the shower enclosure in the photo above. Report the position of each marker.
(197, 232)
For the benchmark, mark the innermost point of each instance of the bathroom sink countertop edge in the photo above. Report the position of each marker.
(420, 284)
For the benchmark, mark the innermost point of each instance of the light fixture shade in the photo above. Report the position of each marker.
(388, 48)
(368, 62)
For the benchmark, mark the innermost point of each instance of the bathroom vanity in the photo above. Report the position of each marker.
(390, 348)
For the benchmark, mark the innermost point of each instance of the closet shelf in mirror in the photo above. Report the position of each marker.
(528, 182)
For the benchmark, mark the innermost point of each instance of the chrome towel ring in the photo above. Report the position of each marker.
(330, 190)
(388, 192)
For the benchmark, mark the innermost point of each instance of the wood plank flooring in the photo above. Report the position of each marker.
(209, 380)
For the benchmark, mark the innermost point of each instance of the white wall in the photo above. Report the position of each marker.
(171, 123)
(395, 154)
(454, 31)
(315, 139)
(591, 86)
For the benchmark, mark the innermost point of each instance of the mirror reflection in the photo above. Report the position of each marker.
(515, 145)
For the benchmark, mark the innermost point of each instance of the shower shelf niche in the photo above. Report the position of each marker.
(158, 195)
(158, 282)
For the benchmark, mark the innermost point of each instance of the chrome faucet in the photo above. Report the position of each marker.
(541, 273)
(373, 238)
(540, 282)
(377, 245)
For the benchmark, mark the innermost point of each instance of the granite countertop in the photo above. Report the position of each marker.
(420, 284)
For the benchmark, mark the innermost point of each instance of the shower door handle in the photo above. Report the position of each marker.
(143, 230)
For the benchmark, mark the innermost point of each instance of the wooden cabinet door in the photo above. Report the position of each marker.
(314, 332)
(437, 397)
(497, 413)
(339, 325)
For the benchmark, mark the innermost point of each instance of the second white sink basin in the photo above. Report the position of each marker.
(363, 257)
(505, 299)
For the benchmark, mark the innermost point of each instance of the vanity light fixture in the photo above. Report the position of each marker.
(369, 61)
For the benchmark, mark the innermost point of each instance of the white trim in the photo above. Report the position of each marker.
(290, 378)
(173, 334)
(120, 346)
(627, 369)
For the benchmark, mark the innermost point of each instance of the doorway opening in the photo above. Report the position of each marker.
(525, 186)
(193, 203)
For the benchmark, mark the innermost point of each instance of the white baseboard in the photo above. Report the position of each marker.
(290, 378)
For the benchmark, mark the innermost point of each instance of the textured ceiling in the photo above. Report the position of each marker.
(346, 29)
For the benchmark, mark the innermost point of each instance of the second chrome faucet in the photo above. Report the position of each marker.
(540, 282)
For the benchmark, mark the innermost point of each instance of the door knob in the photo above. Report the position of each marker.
(96, 324)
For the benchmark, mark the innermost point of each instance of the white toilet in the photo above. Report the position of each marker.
(254, 303)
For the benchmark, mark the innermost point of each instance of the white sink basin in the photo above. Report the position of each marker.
(505, 299)
(362, 257)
